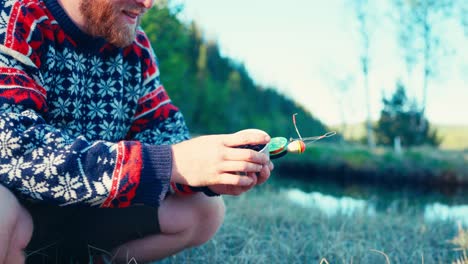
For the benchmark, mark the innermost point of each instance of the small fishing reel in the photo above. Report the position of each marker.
(280, 146)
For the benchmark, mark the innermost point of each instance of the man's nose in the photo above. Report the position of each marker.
(146, 3)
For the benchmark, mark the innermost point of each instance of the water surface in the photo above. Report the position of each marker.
(331, 198)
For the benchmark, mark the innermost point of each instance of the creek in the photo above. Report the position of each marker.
(333, 197)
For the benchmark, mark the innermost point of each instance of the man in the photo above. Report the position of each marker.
(93, 153)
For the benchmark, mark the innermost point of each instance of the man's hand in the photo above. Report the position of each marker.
(257, 178)
(214, 161)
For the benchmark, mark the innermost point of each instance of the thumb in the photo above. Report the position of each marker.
(247, 136)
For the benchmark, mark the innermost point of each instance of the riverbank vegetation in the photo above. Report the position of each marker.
(217, 95)
(263, 226)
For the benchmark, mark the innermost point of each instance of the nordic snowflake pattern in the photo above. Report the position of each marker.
(73, 121)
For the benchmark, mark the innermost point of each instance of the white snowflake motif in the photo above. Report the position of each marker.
(121, 130)
(87, 129)
(150, 136)
(96, 67)
(107, 130)
(170, 124)
(61, 107)
(65, 60)
(67, 140)
(67, 187)
(77, 113)
(133, 92)
(15, 168)
(54, 138)
(2, 124)
(30, 114)
(50, 59)
(88, 85)
(119, 110)
(33, 189)
(97, 109)
(49, 165)
(75, 81)
(106, 87)
(80, 62)
(37, 153)
(49, 79)
(102, 189)
(12, 108)
(58, 83)
(115, 64)
(8, 144)
(126, 72)
(4, 18)
(37, 140)
(60, 142)
(14, 116)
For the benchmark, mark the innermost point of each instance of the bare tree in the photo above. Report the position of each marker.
(418, 39)
(362, 12)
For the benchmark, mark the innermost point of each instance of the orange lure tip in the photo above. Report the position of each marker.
(297, 146)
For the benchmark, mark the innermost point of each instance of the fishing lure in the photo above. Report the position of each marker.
(280, 146)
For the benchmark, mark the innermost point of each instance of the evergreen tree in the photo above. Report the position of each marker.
(400, 118)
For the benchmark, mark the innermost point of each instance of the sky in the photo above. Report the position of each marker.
(310, 51)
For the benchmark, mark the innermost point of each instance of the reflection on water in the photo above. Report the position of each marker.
(441, 212)
(328, 204)
(331, 206)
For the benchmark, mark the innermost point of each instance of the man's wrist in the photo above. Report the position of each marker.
(184, 190)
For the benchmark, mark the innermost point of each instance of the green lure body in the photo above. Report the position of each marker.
(278, 147)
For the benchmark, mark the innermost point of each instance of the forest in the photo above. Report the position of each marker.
(215, 93)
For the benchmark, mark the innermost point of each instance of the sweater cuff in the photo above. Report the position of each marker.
(155, 176)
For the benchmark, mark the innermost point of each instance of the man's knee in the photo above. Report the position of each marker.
(210, 216)
(16, 225)
(23, 229)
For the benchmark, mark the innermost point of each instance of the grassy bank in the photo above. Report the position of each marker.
(352, 162)
(453, 137)
(262, 226)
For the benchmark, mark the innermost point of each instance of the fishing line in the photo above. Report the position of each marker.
(280, 146)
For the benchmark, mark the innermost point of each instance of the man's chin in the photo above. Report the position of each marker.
(122, 40)
(122, 44)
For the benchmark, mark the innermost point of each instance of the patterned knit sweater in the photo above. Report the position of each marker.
(82, 122)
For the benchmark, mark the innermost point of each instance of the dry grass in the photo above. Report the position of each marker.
(263, 227)
(461, 239)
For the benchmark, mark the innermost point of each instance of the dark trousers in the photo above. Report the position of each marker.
(65, 234)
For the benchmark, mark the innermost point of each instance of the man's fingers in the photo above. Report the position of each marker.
(245, 137)
(240, 166)
(263, 175)
(254, 178)
(234, 179)
(235, 154)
